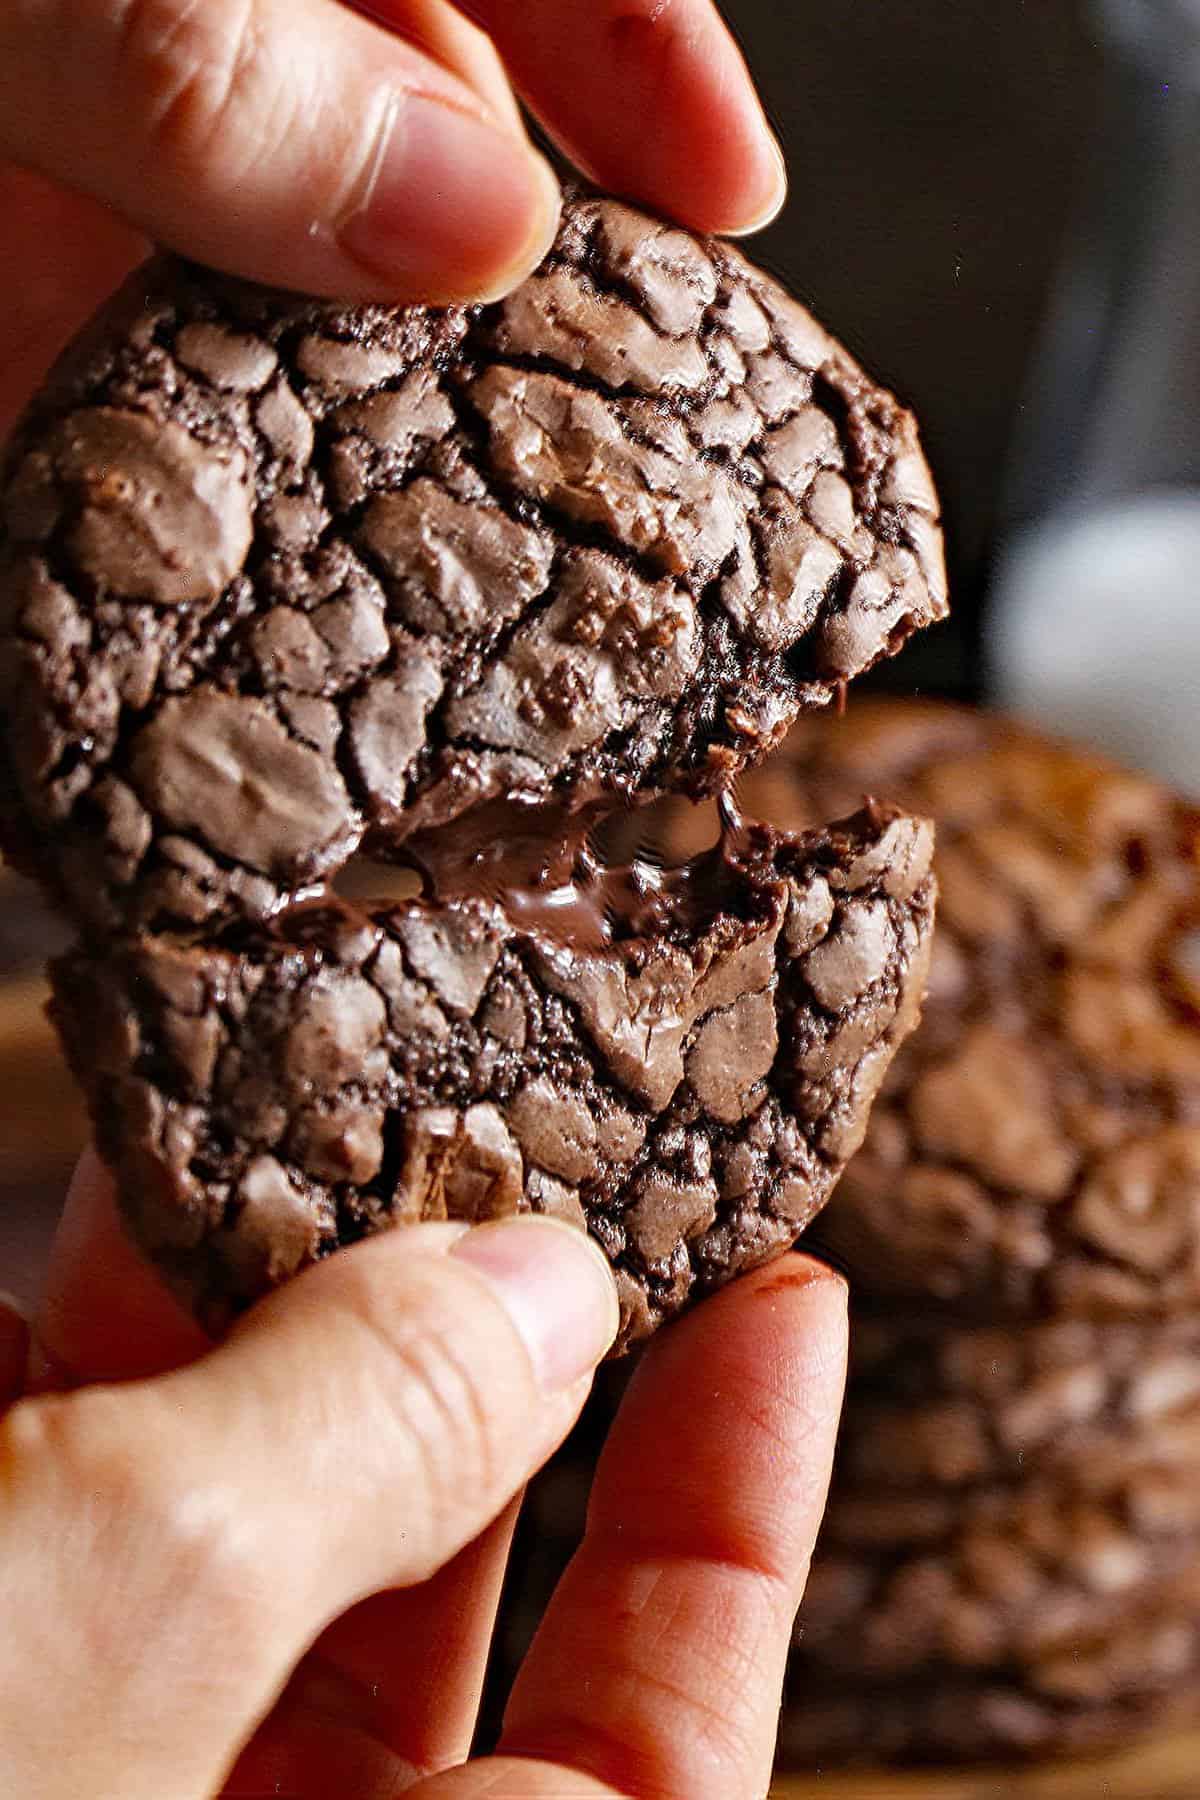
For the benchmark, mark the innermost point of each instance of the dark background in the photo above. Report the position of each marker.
(937, 151)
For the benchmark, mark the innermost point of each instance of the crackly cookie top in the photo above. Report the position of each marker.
(1037, 1147)
(690, 1092)
(281, 578)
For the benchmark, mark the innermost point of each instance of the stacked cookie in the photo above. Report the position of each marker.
(1011, 1557)
(1010, 1562)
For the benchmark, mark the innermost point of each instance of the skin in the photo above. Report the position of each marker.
(368, 152)
(271, 1567)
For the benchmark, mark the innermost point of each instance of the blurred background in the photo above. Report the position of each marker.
(996, 206)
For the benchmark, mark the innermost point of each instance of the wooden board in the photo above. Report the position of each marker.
(1163, 1769)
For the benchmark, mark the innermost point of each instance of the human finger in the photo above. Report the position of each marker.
(438, 27)
(71, 254)
(292, 141)
(391, 1691)
(105, 1314)
(659, 1666)
(357, 1430)
(651, 98)
(401, 1673)
(14, 1346)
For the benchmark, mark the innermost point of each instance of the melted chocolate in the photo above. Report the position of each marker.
(545, 872)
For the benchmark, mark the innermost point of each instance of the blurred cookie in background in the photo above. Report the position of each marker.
(1035, 1150)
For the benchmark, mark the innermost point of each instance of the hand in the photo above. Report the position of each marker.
(276, 1564)
(368, 152)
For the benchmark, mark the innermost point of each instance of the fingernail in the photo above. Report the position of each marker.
(557, 1288)
(776, 195)
(456, 209)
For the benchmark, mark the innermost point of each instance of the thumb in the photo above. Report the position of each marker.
(291, 141)
(355, 1433)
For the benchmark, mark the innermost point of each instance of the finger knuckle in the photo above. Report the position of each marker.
(196, 74)
(449, 1421)
(356, 154)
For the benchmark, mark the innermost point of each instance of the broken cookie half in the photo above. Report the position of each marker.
(282, 579)
(689, 1085)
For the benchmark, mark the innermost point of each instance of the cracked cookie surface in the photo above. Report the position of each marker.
(282, 580)
(1142, 1678)
(1023, 1572)
(1048, 1612)
(940, 1407)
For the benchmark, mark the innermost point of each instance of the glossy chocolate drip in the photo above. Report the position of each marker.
(544, 872)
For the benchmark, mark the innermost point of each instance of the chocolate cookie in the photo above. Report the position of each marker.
(282, 579)
(684, 1060)
(1028, 1617)
(1143, 1677)
(933, 1410)
(1037, 1147)
(1015, 1524)
(1016, 1573)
